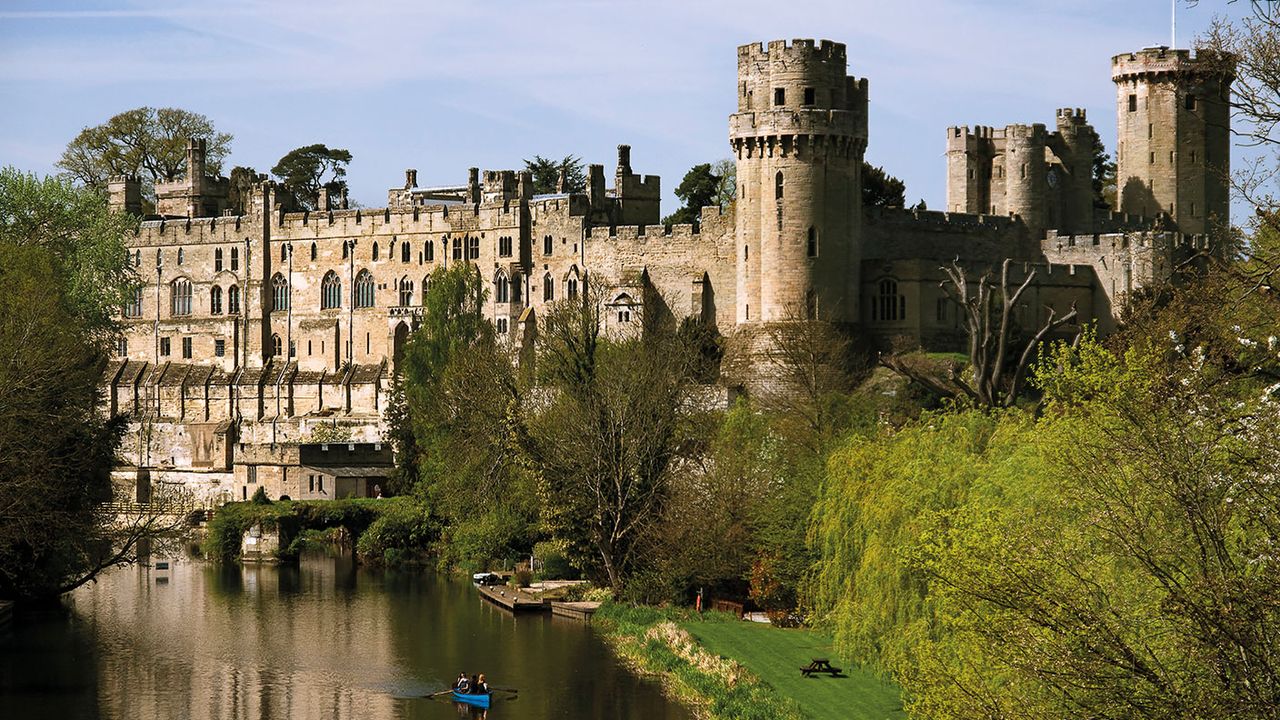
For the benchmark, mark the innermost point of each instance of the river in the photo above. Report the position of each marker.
(320, 639)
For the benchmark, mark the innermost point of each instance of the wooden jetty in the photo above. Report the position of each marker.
(574, 610)
(512, 599)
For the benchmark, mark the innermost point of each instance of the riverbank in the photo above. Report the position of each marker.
(725, 668)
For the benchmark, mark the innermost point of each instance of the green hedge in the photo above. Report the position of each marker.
(383, 530)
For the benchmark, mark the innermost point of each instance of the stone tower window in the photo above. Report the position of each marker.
(547, 245)
(473, 248)
(1191, 102)
(504, 246)
(571, 287)
(810, 97)
(279, 293)
(186, 348)
(406, 292)
(811, 245)
(330, 291)
(457, 248)
(233, 300)
(404, 252)
(501, 288)
(431, 251)
(217, 260)
(548, 288)
(375, 250)
(889, 305)
(1133, 103)
(346, 249)
(777, 186)
(284, 253)
(746, 252)
(235, 259)
(180, 256)
(133, 308)
(364, 289)
(180, 297)
(779, 96)
(277, 348)
(315, 252)
(215, 300)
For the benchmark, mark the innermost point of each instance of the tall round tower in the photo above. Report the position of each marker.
(1173, 154)
(799, 137)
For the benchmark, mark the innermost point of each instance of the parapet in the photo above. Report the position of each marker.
(963, 139)
(798, 49)
(1162, 61)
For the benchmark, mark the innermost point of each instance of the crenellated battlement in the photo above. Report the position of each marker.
(792, 50)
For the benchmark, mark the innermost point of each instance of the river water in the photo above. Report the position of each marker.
(320, 639)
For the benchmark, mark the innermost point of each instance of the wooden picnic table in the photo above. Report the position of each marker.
(819, 665)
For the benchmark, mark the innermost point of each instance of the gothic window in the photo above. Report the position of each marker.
(473, 248)
(502, 326)
(457, 248)
(215, 300)
(181, 256)
(217, 260)
(406, 292)
(314, 253)
(426, 283)
(277, 348)
(504, 247)
(405, 249)
(811, 245)
(547, 245)
(330, 291)
(180, 297)
(777, 186)
(235, 259)
(279, 293)
(889, 305)
(133, 308)
(364, 289)
(375, 250)
(548, 288)
(233, 300)
(431, 251)
(501, 288)
(571, 287)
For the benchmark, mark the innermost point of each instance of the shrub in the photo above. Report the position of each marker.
(260, 497)
(401, 533)
(521, 578)
(554, 564)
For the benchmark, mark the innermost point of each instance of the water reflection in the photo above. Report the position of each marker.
(324, 639)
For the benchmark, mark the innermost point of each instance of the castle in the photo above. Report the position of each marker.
(258, 335)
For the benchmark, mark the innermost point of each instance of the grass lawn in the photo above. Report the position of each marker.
(776, 655)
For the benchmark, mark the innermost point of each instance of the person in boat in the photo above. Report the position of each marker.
(462, 684)
(472, 686)
(481, 687)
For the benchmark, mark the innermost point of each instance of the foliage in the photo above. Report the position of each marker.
(521, 578)
(64, 272)
(611, 434)
(552, 562)
(880, 189)
(701, 187)
(334, 433)
(547, 172)
(404, 532)
(303, 172)
(1104, 177)
(146, 142)
(260, 497)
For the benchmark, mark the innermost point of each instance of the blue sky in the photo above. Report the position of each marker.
(442, 86)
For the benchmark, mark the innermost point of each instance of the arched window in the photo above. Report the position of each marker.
(406, 292)
(279, 293)
(180, 296)
(330, 291)
(233, 300)
(181, 255)
(364, 289)
(889, 305)
(548, 288)
(777, 186)
(457, 248)
(375, 250)
(277, 348)
(215, 300)
(811, 246)
(405, 249)
(284, 253)
(346, 249)
(571, 287)
(501, 288)
(137, 258)
(313, 252)
(133, 308)
(431, 251)
(426, 283)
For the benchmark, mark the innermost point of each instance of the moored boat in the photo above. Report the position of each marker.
(477, 699)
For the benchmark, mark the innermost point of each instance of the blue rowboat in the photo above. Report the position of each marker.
(479, 700)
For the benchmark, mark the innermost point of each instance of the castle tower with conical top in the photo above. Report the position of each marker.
(1173, 152)
(799, 137)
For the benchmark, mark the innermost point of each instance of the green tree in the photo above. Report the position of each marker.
(880, 189)
(546, 174)
(147, 142)
(1104, 176)
(63, 276)
(701, 187)
(303, 172)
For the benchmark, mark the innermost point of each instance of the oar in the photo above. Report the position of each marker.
(442, 692)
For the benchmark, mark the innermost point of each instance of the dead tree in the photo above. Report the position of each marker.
(991, 379)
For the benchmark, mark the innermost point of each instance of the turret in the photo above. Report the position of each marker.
(1075, 141)
(799, 137)
(969, 163)
(1026, 175)
(124, 194)
(1173, 154)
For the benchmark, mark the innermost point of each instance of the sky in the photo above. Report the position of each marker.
(443, 86)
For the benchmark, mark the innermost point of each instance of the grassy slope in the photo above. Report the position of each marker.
(775, 655)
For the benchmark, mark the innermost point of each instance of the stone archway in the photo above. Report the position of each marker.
(399, 339)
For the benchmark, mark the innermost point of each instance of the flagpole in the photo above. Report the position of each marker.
(1173, 15)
